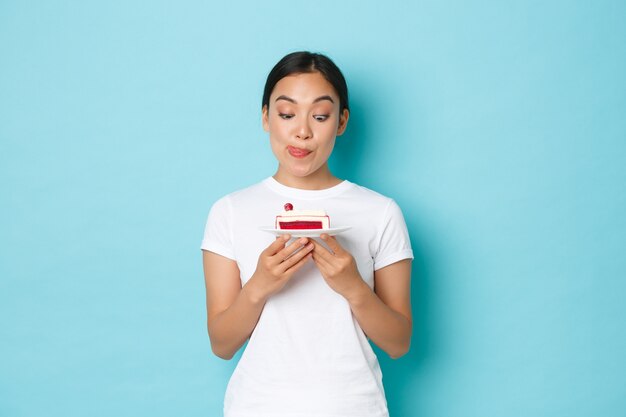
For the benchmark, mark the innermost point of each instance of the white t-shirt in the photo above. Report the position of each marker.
(307, 356)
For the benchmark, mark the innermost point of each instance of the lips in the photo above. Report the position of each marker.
(297, 152)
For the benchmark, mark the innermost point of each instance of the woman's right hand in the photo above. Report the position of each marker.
(276, 265)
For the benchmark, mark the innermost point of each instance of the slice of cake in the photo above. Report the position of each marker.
(291, 219)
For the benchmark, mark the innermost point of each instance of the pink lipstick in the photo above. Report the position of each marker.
(297, 152)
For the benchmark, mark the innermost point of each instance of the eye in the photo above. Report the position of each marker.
(285, 116)
(321, 117)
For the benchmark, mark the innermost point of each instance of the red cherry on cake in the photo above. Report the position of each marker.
(288, 207)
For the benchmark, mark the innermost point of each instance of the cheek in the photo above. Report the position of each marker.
(327, 135)
(327, 147)
(275, 143)
(275, 134)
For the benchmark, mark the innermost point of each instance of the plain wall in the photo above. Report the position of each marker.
(499, 127)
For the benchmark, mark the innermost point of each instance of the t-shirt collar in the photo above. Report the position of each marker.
(307, 194)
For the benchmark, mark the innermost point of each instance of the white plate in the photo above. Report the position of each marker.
(306, 232)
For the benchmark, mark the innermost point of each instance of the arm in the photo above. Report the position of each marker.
(232, 310)
(232, 313)
(383, 314)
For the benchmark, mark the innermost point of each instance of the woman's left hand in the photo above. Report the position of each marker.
(337, 267)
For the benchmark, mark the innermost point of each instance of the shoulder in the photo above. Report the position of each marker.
(371, 199)
(251, 192)
(377, 208)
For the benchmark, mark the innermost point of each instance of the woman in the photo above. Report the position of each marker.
(306, 306)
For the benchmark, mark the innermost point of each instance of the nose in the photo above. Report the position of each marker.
(303, 131)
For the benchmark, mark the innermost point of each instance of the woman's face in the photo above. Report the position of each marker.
(303, 120)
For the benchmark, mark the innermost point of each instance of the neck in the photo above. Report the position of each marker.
(320, 180)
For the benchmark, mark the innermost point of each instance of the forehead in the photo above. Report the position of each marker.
(304, 87)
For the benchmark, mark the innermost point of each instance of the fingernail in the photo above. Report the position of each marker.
(286, 237)
(303, 240)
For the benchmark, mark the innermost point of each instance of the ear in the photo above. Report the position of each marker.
(343, 122)
(265, 119)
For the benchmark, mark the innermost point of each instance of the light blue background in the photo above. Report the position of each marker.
(499, 127)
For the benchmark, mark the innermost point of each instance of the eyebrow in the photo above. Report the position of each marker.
(320, 98)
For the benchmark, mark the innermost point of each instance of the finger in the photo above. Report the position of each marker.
(321, 252)
(276, 245)
(292, 269)
(323, 259)
(332, 243)
(292, 248)
(295, 259)
(322, 264)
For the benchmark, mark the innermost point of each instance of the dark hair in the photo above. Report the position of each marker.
(307, 62)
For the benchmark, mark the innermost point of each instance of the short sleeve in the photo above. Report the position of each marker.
(218, 236)
(393, 244)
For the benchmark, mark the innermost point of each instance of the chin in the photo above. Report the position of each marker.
(300, 172)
